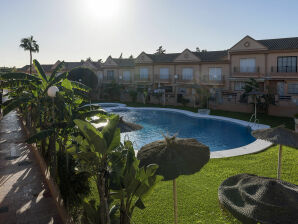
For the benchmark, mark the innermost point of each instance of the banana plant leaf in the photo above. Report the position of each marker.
(56, 70)
(41, 73)
(15, 103)
(40, 135)
(19, 76)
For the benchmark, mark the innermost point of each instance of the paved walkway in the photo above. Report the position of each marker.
(24, 196)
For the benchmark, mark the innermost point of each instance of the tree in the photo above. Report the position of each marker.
(29, 44)
(120, 57)
(84, 75)
(198, 49)
(131, 56)
(160, 50)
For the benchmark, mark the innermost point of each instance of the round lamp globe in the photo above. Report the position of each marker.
(52, 91)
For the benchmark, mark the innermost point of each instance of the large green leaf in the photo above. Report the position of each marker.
(18, 76)
(15, 84)
(88, 107)
(15, 103)
(80, 86)
(40, 135)
(66, 84)
(109, 130)
(94, 137)
(41, 73)
(58, 78)
(56, 70)
(115, 140)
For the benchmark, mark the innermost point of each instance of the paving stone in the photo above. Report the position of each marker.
(24, 197)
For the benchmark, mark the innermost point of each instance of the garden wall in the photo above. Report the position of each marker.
(283, 111)
(240, 107)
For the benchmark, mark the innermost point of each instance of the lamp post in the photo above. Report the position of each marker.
(52, 91)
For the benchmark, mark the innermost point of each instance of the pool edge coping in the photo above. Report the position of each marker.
(254, 147)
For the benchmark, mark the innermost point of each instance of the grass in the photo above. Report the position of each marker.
(197, 194)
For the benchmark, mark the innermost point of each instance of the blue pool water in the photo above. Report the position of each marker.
(217, 134)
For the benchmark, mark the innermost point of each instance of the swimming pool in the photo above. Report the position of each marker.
(216, 133)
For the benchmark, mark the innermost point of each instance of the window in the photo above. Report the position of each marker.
(164, 73)
(187, 74)
(215, 74)
(248, 65)
(126, 75)
(239, 86)
(286, 64)
(293, 88)
(110, 75)
(144, 73)
(99, 75)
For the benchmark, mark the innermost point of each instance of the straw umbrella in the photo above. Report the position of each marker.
(280, 136)
(175, 157)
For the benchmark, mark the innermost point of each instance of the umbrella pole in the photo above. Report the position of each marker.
(175, 202)
(279, 162)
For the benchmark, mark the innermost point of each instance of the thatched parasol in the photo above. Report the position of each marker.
(175, 157)
(253, 199)
(278, 135)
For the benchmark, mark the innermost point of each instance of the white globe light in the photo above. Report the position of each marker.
(52, 91)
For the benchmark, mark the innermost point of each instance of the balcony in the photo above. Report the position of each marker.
(109, 79)
(285, 72)
(205, 80)
(184, 79)
(163, 78)
(246, 72)
(125, 81)
(142, 79)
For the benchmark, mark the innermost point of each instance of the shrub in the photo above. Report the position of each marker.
(84, 75)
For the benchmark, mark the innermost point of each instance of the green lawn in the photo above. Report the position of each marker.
(197, 194)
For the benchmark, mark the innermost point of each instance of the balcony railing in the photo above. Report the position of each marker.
(205, 80)
(126, 80)
(284, 69)
(184, 79)
(142, 78)
(162, 78)
(109, 78)
(283, 72)
(254, 69)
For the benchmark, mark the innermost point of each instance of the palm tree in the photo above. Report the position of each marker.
(29, 44)
(160, 50)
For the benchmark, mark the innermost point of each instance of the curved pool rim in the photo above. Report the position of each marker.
(254, 147)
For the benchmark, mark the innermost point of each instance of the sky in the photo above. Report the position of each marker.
(72, 30)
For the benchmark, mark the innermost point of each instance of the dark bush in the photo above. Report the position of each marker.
(84, 75)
